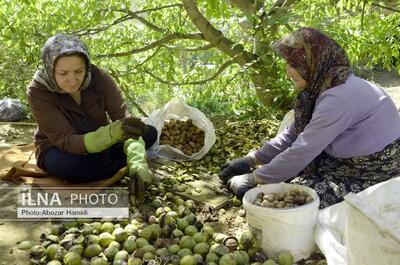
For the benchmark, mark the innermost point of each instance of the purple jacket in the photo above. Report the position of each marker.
(353, 119)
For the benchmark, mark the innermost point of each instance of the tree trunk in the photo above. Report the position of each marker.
(264, 80)
(260, 63)
(183, 61)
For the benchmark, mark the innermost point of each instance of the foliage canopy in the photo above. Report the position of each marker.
(214, 54)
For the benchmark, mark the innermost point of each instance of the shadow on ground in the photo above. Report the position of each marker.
(13, 232)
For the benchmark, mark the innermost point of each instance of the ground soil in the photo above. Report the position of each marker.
(231, 220)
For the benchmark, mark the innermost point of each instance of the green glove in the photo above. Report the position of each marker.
(115, 132)
(139, 171)
(104, 137)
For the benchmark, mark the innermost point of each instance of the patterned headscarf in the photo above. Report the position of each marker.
(320, 61)
(55, 47)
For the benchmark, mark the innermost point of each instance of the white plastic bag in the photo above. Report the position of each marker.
(329, 233)
(287, 120)
(11, 110)
(373, 225)
(176, 109)
(364, 229)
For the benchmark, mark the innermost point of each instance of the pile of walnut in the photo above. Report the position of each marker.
(183, 135)
(283, 199)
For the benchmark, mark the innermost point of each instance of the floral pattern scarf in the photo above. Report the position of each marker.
(320, 61)
(55, 47)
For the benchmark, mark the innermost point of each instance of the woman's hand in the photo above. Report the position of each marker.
(141, 175)
(239, 185)
(236, 167)
(115, 132)
(133, 127)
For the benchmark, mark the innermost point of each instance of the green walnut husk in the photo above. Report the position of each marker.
(54, 262)
(92, 250)
(72, 258)
(98, 261)
(25, 245)
(188, 260)
(285, 258)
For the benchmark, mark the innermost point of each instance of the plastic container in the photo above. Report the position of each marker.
(278, 230)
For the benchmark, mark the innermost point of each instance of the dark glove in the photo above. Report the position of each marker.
(235, 167)
(239, 185)
(133, 127)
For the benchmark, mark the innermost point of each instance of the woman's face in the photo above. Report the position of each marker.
(69, 72)
(296, 78)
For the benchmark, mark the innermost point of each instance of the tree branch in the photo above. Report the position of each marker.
(246, 6)
(166, 39)
(147, 23)
(130, 69)
(191, 49)
(142, 20)
(215, 37)
(386, 7)
(154, 9)
(362, 15)
(145, 10)
(265, 16)
(127, 93)
(129, 15)
(278, 4)
(215, 75)
(230, 80)
(92, 31)
(135, 15)
(284, 3)
(148, 58)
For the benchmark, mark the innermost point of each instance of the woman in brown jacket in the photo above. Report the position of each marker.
(72, 101)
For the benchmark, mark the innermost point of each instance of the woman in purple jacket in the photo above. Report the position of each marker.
(345, 135)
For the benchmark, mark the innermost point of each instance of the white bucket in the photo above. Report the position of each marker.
(288, 229)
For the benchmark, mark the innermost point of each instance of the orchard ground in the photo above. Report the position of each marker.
(13, 232)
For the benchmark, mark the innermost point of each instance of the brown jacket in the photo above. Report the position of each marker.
(62, 122)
